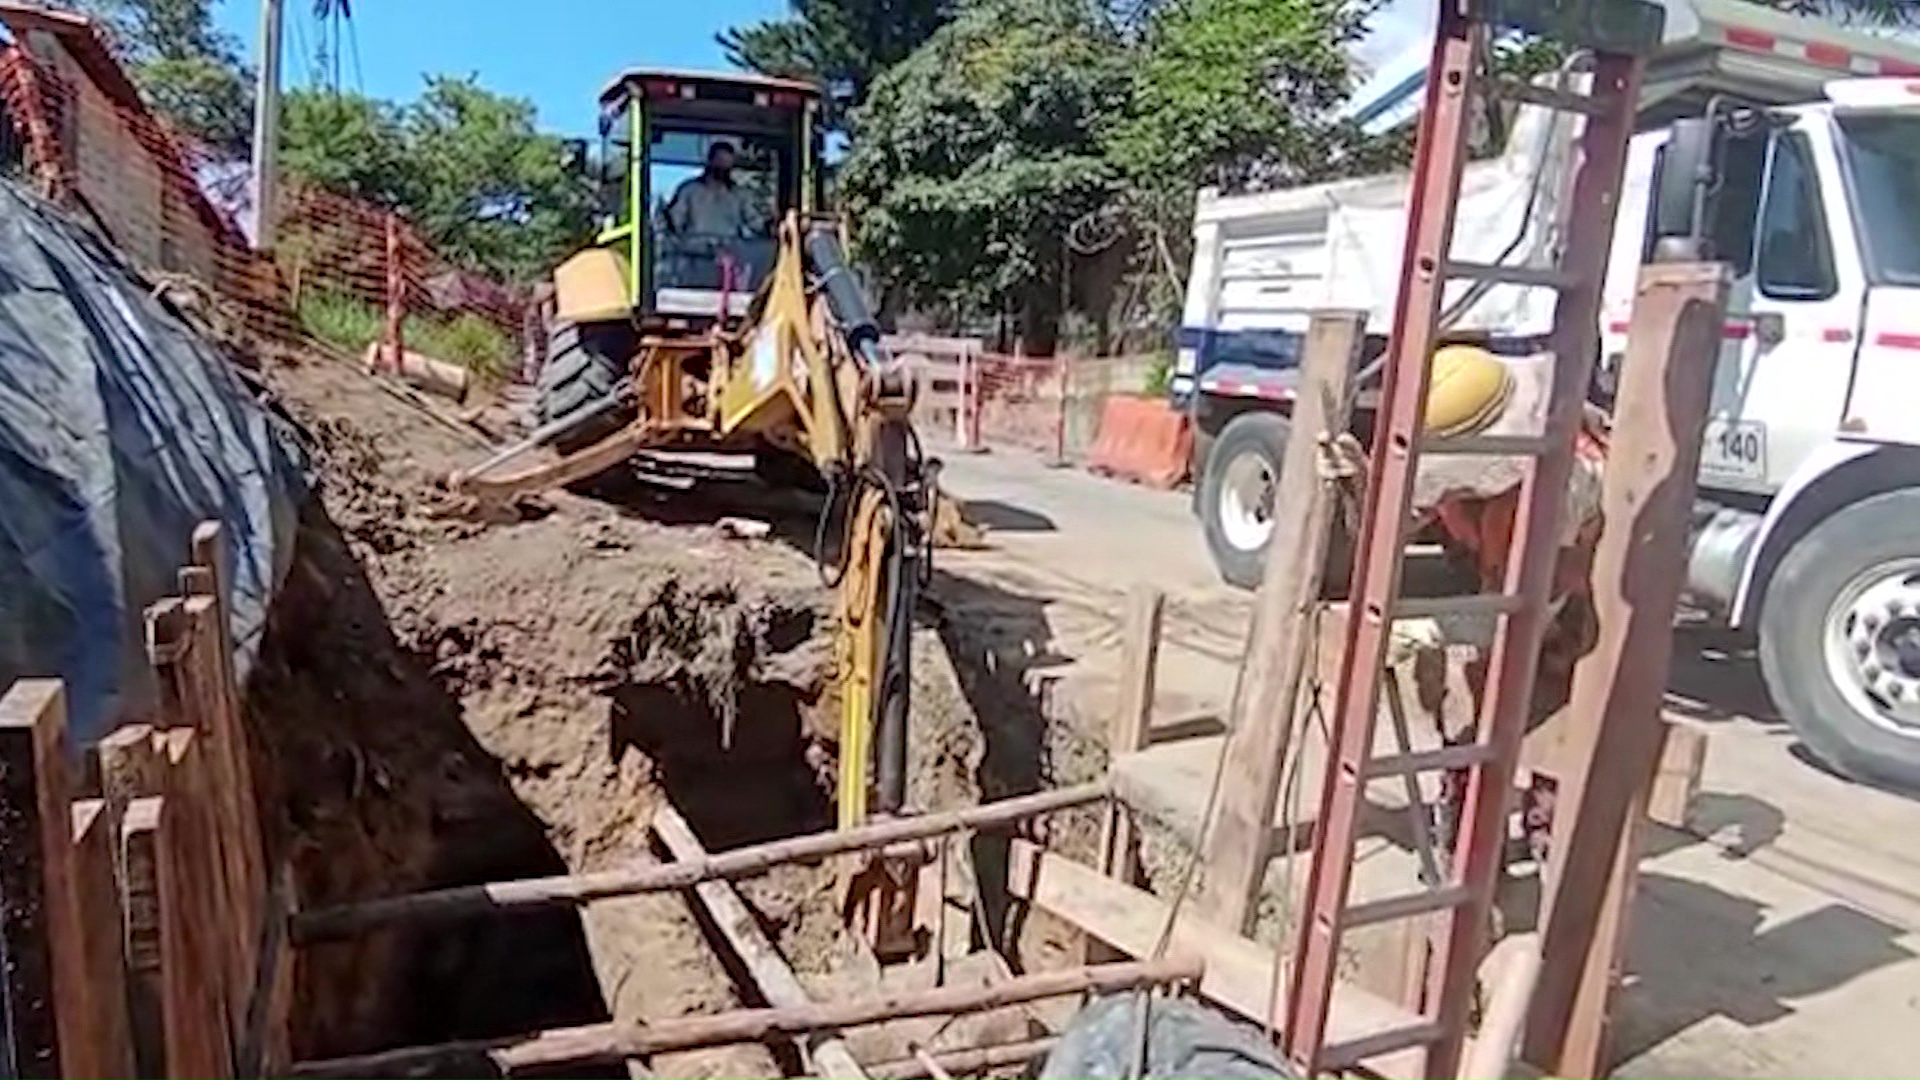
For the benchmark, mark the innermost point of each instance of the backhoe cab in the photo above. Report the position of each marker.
(678, 244)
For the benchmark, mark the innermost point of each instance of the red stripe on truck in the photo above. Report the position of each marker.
(1830, 55)
(1897, 341)
(1750, 39)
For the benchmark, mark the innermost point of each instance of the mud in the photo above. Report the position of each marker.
(446, 701)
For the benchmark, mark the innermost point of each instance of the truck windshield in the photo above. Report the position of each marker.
(1883, 171)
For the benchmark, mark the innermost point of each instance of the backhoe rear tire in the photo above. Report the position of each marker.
(585, 363)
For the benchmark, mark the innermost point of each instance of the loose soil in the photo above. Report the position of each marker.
(444, 701)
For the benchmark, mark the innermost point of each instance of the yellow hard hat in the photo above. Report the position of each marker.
(1468, 389)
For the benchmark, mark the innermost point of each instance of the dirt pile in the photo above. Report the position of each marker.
(444, 702)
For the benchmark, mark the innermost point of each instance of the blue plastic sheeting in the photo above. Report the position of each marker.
(120, 430)
(1184, 1038)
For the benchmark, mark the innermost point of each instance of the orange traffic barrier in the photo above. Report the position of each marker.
(1142, 439)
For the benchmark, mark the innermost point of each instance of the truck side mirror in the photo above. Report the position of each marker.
(1686, 180)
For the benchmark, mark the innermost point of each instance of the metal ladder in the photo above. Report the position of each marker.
(1459, 902)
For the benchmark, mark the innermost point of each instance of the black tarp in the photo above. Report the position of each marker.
(120, 430)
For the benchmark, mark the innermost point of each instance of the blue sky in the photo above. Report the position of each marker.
(559, 53)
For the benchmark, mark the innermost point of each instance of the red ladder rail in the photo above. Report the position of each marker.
(1522, 611)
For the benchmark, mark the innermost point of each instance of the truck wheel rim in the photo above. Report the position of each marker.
(1873, 645)
(1246, 501)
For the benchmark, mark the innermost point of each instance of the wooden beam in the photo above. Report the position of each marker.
(45, 994)
(1239, 971)
(533, 894)
(1683, 758)
(131, 770)
(1139, 663)
(104, 967)
(1260, 723)
(139, 859)
(972, 1060)
(826, 1053)
(210, 704)
(607, 1043)
(1613, 744)
(194, 923)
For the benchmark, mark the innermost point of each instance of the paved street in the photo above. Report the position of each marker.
(1778, 936)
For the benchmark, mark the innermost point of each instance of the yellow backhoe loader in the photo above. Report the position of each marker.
(716, 312)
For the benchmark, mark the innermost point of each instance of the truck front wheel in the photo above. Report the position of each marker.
(1236, 495)
(1840, 640)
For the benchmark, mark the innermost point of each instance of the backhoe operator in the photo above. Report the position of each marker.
(711, 206)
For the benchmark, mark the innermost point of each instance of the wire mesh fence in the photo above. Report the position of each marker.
(345, 275)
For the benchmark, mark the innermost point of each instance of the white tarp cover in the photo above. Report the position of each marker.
(120, 430)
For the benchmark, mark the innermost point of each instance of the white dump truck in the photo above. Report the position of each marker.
(1808, 523)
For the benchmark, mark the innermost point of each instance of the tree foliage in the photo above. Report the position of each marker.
(189, 70)
(972, 158)
(492, 189)
(841, 44)
(469, 168)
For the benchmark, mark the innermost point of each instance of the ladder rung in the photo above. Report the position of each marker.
(1426, 607)
(1547, 97)
(1342, 1056)
(1516, 445)
(1543, 277)
(1405, 906)
(1447, 757)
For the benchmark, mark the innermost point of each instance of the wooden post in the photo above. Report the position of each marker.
(45, 993)
(130, 771)
(104, 966)
(827, 1055)
(1127, 734)
(194, 922)
(1613, 745)
(396, 295)
(1261, 719)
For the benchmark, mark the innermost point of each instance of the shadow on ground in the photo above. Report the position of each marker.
(380, 788)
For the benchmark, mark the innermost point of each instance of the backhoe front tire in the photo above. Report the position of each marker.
(585, 364)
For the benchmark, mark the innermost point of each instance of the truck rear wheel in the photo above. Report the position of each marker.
(1236, 494)
(1840, 640)
(585, 364)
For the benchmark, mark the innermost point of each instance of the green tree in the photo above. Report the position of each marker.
(842, 44)
(348, 144)
(972, 158)
(493, 190)
(188, 69)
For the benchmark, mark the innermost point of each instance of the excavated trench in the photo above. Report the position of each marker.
(443, 701)
(703, 697)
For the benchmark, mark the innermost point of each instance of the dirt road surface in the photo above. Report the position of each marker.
(1779, 935)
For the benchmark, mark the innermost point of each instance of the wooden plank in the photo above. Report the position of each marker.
(226, 809)
(1139, 664)
(1614, 740)
(193, 920)
(139, 860)
(130, 770)
(826, 1053)
(45, 1000)
(1260, 722)
(1239, 971)
(104, 968)
(1683, 759)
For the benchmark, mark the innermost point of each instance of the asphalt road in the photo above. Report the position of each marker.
(1779, 935)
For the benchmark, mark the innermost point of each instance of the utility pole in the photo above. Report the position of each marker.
(266, 128)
